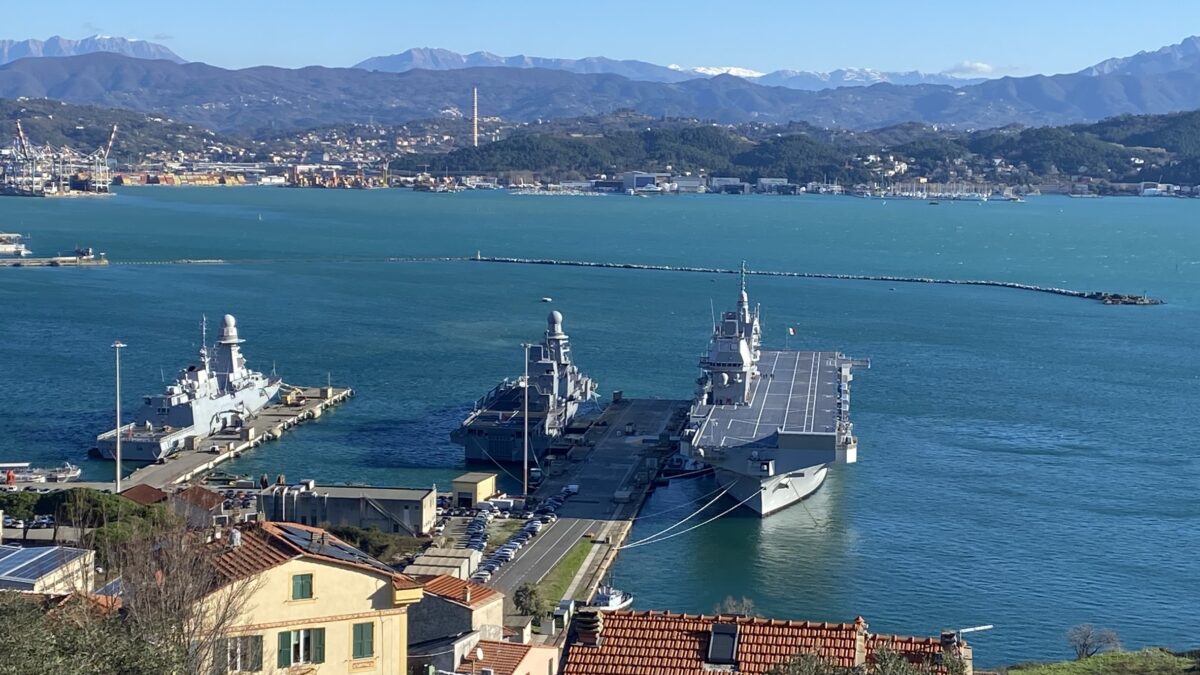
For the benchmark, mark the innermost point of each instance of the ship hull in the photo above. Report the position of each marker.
(138, 445)
(771, 495)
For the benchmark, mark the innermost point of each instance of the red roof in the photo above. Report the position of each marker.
(201, 496)
(632, 643)
(501, 657)
(455, 590)
(144, 494)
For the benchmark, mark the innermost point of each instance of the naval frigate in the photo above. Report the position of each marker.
(769, 422)
(217, 392)
(494, 431)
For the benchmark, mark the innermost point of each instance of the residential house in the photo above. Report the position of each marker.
(145, 495)
(451, 618)
(53, 570)
(682, 644)
(510, 658)
(200, 507)
(313, 603)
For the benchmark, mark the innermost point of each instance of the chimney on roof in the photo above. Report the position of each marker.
(860, 642)
(954, 645)
(467, 594)
(589, 624)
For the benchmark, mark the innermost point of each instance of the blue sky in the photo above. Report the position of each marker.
(1014, 37)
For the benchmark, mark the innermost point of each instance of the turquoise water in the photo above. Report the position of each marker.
(1026, 460)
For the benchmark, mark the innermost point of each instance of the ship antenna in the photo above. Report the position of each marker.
(743, 276)
(204, 340)
(713, 310)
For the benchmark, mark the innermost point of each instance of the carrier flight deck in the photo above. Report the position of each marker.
(795, 392)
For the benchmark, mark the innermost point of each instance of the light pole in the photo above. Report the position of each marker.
(117, 346)
(525, 384)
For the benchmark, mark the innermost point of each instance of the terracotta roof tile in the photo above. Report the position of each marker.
(677, 644)
(452, 588)
(144, 494)
(200, 496)
(501, 657)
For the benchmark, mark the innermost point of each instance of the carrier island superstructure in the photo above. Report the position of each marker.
(769, 422)
(217, 392)
(494, 431)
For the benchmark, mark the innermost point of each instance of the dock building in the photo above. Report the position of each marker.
(399, 510)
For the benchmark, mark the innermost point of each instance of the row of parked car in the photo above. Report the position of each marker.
(38, 522)
(543, 515)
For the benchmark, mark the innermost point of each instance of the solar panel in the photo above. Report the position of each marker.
(328, 546)
(722, 644)
(34, 563)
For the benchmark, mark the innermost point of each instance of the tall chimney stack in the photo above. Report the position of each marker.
(475, 117)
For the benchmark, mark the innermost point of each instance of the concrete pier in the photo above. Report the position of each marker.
(308, 404)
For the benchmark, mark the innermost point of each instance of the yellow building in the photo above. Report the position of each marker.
(313, 604)
(472, 488)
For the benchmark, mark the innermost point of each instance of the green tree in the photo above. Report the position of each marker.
(529, 601)
(807, 664)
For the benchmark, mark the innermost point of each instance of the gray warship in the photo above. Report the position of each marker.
(769, 422)
(217, 392)
(494, 430)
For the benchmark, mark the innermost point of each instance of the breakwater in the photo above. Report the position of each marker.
(1106, 297)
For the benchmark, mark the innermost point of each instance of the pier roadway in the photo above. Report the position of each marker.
(269, 424)
(541, 555)
(611, 474)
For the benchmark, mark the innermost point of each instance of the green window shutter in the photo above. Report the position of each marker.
(364, 640)
(221, 657)
(285, 649)
(318, 645)
(302, 587)
(255, 661)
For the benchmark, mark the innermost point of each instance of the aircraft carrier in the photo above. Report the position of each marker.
(769, 422)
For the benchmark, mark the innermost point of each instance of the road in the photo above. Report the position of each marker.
(535, 561)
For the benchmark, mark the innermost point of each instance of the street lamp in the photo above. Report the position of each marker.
(117, 346)
(525, 386)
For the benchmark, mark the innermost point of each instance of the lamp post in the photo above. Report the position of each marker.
(117, 346)
(525, 454)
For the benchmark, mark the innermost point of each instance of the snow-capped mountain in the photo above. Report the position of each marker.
(443, 59)
(11, 50)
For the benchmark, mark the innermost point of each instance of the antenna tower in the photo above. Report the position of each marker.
(475, 117)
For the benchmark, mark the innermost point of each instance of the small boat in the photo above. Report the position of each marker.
(21, 472)
(609, 599)
(547, 299)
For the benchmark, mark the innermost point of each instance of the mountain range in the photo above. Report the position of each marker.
(11, 50)
(427, 58)
(256, 100)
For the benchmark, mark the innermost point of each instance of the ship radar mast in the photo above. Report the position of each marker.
(204, 341)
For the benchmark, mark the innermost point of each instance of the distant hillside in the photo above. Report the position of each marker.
(805, 155)
(11, 50)
(266, 98)
(86, 128)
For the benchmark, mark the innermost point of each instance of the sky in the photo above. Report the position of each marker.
(1014, 37)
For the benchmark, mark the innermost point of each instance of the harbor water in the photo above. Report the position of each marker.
(1025, 460)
